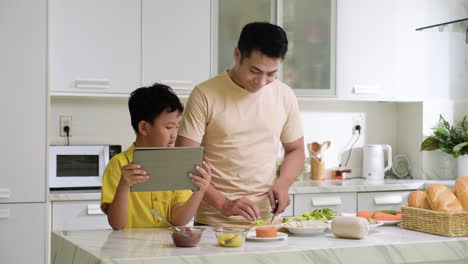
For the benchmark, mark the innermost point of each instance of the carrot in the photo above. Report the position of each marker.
(387, 217)
(365, 214)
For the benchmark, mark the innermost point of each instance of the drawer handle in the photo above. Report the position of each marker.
(176, 82)
(388, 199)
(4, 213)
(92, 83)
(94, 209)
(179, 84)
(323, 201)
(5, 193)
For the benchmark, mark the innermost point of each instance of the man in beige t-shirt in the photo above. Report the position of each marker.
(240, 117)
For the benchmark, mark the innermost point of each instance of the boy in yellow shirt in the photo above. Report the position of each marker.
(155, 114)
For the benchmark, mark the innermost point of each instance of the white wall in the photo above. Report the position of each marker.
(94, 121)
(380, 125)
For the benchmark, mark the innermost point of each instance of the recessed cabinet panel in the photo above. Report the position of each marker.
(176, 43)
(339, 202)
(78, 215)
(23, 104)
(94, 46)
(376, 201)
(22, 229)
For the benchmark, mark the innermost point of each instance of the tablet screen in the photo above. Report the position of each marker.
(168, 168)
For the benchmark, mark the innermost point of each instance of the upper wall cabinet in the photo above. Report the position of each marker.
(176, 43)
(381, 56)
(309, 66)
(95, 46)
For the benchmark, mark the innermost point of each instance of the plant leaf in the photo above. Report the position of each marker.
(459, 147)
(447, 150)
(430, 143)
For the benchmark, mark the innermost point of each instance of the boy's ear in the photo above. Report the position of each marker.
(143, 127)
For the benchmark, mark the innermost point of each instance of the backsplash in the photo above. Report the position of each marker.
(401, 125)
(106, 121)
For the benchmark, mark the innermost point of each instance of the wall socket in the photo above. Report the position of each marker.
(65, 121)
(357, 121)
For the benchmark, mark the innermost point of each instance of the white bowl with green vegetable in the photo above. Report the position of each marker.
(310, 223)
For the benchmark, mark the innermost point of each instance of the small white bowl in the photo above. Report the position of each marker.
(308, 227)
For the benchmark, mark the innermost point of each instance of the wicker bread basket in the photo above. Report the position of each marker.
(434, 222)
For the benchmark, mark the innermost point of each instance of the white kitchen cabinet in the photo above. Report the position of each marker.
(23, 233)
(309, 65)
(381, 56)
(176, 43)
(339, 202)
(376, 201)
(23, 111)
(95, 46)
(78, 215)
(370, 34)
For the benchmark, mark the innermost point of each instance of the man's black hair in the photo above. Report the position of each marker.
(147, 103)
(269, 39)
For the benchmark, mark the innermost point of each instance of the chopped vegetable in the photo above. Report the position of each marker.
(318, 214)
(388, 212)
(257, 222)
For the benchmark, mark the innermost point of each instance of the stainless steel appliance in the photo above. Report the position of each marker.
(77, 167)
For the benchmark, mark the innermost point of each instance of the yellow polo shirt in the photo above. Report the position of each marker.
(139, 203)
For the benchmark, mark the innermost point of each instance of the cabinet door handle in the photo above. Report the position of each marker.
(179, 84)
(4, 213)
(326, 201)
(94, 209)
(92, 83)
(5, 193)
(388, 199)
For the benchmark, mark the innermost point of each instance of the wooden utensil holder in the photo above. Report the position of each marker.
(317, 169)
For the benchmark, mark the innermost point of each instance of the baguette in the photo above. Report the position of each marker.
(461, 188)
(418, 199)
(441, 198)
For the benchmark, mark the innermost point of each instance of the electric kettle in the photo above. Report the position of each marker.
(373, 167)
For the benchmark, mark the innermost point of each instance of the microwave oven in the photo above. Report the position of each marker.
(79, 167)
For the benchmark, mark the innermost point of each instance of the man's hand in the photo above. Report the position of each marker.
(131, 174)
(278, 194)
(243, 207)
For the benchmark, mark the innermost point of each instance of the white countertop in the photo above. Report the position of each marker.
(354, 185)
(299, 187)
(386, 244)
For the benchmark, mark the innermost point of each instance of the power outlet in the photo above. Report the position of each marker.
(65, 121)
(357, 121)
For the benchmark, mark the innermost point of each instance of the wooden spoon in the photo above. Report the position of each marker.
(324, 147)
(314, 148)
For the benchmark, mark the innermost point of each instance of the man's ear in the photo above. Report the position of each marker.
(143, 127)
(237, 55)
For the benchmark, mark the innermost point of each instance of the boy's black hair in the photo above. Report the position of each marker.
(147, 103)
(269, 39)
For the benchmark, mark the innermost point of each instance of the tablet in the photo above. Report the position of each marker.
(168, 168)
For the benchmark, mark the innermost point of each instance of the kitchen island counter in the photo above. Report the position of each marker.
(387, 244)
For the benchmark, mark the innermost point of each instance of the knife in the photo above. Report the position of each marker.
(274, 212)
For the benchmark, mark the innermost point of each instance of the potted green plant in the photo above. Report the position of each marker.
(452, 140)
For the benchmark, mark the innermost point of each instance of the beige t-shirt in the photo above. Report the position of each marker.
(240, 132)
